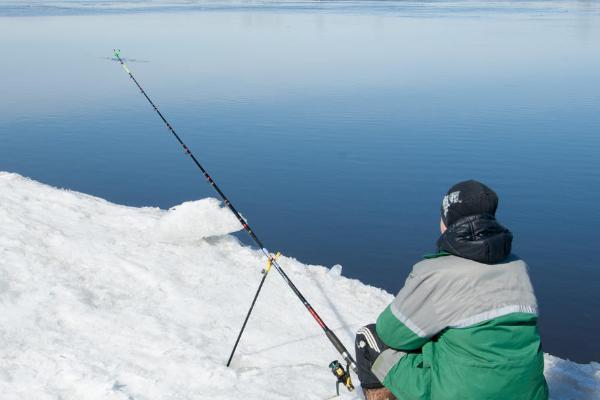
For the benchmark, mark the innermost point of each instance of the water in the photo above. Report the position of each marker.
(335, 128)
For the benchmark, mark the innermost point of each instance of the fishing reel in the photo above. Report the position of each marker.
(343, 376)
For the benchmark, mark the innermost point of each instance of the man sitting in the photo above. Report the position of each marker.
(464, 326)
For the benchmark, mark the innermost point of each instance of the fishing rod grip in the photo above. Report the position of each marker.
(341, 349)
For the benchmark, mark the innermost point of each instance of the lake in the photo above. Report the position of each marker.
(334, 127)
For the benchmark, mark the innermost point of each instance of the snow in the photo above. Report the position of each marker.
(103, 301)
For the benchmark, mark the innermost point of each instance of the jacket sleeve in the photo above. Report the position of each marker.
(411, 319)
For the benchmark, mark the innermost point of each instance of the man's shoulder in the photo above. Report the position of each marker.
(448, 263)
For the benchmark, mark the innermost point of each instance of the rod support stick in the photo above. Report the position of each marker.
(237, 341)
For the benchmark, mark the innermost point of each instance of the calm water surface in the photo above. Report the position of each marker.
(335, 128)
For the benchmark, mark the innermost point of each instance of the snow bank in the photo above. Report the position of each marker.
(101, 301)
(195, 220)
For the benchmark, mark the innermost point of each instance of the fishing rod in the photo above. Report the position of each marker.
(342, 375)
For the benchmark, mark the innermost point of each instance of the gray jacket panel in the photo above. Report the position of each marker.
(456, 292)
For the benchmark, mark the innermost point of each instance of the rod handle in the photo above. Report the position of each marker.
(341, 349)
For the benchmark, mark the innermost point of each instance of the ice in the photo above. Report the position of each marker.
(336, 270)
(102, 301)
(194, 220)
(409, 8)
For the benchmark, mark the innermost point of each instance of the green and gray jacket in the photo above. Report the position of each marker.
(463, 330)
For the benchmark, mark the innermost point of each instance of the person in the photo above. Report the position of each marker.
(464, 326)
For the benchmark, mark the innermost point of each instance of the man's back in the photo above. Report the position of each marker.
(475, 326)
(490, 337)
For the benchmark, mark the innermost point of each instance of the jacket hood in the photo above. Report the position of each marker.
(477, 237)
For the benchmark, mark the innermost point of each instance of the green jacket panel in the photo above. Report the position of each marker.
(410, 378)
(395, 334)
(497, 360)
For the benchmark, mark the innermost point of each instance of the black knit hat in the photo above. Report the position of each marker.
(468, 198)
